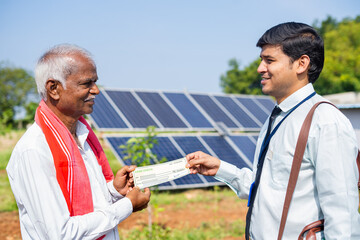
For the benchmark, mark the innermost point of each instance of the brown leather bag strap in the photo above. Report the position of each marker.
(295, 168)
(311, 230)
(358, 165)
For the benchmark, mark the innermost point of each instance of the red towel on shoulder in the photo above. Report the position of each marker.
(71, 172)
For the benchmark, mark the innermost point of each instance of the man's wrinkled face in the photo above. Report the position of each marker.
(78, 97)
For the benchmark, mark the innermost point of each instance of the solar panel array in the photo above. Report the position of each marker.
(236, 149)
(130, 110)
(213, 117)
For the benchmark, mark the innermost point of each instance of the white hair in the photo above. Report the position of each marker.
(58, 63)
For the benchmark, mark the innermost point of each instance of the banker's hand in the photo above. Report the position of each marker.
(124, 181)
(138, 198)
(199, 162)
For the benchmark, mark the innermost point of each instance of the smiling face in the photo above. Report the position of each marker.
(78, 97)
(280, 75)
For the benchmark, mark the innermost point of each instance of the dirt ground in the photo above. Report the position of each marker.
(173, 216)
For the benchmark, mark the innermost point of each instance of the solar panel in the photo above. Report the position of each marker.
(193, 122)
(191, 144)
(163, 112)
(115, 143)
(131, 108)
(214, 111)
(224, 151)
(105, 116)
(125, 110)
(247, 143)
(256, 110)
(178, 148)
(188, 110)
(267, 103)
(243, 117)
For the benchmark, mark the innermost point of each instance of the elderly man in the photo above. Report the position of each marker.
(58, 172)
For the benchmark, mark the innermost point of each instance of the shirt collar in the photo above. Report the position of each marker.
(81, 132)
(296, 97)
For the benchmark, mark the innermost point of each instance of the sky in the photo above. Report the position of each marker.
(182, 45)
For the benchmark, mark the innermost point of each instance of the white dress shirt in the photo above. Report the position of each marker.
(327, 183)
(42, 207)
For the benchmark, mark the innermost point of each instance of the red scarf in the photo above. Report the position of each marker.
(71, 173)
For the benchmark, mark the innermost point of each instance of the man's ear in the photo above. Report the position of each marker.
(53, 88)
(303, 64)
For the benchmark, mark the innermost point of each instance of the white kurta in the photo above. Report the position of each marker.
(42, 207)
(327, 182)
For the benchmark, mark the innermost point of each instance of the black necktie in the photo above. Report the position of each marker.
(276, 111)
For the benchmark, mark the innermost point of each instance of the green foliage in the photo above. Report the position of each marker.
(341, 71)
(30, 109)
(138, 149)
(325, 26)
(17, 86)
(246, 81)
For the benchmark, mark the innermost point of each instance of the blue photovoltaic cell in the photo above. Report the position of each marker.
(161, 110)
(115, 142)
(253, 108)
(131, 108)
(213, 110)
(224, 151)
(240, 115)
(188, 110)
(166, 149)
(105, 115)
(193, 144)
(267, 103)
(245, 144)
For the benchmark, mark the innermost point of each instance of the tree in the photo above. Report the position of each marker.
(325, 26)
(246, 81)
(341, 71)
(17, 87)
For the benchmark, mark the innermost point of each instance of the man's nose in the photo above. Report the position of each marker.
(94, 89)
(262, 67)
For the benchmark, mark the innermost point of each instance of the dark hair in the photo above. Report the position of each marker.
(297, 39)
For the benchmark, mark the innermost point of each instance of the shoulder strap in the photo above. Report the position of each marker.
(358, 165)
(295, 168)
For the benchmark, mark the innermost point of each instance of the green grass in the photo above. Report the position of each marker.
(179, 198)
(206, 231)
(4, 158)
(7, 199)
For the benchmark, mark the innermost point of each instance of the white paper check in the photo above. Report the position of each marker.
(156, 174)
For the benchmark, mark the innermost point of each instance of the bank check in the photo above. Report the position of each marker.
(156, 174)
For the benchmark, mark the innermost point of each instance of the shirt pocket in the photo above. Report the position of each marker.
(279, 167)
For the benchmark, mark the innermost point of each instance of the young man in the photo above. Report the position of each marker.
(292, 57)
(62, 182)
